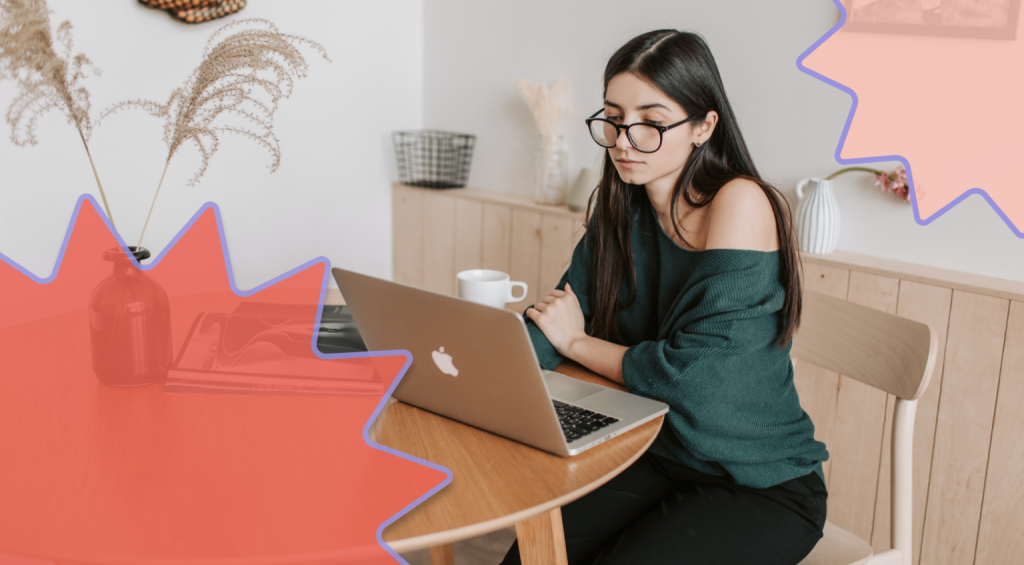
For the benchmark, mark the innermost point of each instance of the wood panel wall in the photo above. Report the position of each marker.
(969, 429)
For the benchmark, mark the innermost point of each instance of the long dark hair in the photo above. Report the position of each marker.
(681, 65)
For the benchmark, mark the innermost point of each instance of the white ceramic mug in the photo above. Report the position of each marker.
(486, 286)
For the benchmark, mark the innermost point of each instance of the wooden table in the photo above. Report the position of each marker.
(498, 482)
(198, 479)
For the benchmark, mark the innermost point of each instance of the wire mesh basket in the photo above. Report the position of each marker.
(433, 158)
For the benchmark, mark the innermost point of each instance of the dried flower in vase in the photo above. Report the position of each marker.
(549, 104)
(47, 80)
(243, 76)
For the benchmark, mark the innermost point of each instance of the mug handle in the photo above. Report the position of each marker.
(800, 188)
(513, 284)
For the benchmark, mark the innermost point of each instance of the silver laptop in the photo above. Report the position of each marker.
(476, 364)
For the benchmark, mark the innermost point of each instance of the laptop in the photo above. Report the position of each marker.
(476, 364)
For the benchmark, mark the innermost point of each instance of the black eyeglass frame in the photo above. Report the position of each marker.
(619, 128)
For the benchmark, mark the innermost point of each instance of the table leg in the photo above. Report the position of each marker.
(541, 539)
(442, 554)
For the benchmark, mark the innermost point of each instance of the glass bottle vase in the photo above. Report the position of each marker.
(550, 171)
(129, 324)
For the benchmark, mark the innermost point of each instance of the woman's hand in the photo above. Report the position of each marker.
(560, 317)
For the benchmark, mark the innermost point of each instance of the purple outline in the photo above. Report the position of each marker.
(231, 281)
(429, 493)
(906, 164)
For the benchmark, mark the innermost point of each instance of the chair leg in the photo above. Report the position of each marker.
(541, 539)
(442, 554)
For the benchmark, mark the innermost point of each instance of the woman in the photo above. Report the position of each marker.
(686, 288)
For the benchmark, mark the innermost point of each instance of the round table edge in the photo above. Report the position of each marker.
(466, 532)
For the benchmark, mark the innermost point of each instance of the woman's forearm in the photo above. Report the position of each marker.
(602, 357)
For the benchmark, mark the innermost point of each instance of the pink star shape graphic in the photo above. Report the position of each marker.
(948, 108)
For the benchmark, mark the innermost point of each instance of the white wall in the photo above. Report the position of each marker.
(404, 64)
(331, 194)
(791, 121)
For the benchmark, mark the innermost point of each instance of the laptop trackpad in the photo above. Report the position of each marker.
(568, 389)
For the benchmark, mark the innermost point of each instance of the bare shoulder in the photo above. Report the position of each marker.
(741, 217)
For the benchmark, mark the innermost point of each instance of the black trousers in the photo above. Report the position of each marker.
(658, 511)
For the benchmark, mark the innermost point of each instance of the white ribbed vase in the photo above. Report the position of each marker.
(817, 216)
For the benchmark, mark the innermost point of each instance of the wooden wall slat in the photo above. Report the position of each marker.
(525, 259)
(930, 305)
(556, 251)
(497, 243)
(962, 435)
(859, 421)
(439, 242)
(1002, 512)
(817, 387)
(469, 219)
(407, 233)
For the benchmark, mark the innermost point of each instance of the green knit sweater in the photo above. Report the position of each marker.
(701, 337)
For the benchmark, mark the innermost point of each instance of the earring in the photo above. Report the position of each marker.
(696, 144)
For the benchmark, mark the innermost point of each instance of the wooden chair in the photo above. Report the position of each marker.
(890, 353)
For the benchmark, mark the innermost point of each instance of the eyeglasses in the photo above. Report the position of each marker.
(645, 138)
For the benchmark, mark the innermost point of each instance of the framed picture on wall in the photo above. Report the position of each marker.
(982, 19)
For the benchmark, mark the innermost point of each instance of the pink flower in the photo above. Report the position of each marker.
(895, 182)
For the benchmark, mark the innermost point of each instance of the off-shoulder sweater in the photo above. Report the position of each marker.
(701, 337)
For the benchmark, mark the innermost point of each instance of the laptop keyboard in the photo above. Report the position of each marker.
(577, 422)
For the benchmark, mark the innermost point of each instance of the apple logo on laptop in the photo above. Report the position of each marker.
(444, 362)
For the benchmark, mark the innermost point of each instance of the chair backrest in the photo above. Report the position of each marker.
(890, 353)
(879, 349)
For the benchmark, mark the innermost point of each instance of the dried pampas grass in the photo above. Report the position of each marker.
(47, 80)
(549, 104)
(243, 76)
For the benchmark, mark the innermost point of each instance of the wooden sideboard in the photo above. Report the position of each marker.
(969, 432)
(438, 233)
